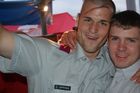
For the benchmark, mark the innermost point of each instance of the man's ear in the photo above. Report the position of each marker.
(76, 24)
(77, 19)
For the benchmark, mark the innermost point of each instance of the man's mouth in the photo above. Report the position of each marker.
(120, 56)
(92, 37)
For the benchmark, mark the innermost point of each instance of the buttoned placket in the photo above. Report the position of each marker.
(88, 78)
(117, 78)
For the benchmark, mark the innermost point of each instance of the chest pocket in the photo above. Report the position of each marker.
(64, 88)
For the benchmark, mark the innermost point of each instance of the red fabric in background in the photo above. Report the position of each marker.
(2, 83)
(61, 23)
(12, 83)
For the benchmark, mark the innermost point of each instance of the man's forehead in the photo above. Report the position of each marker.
(98, 12)
(90, 9)
(133, 31)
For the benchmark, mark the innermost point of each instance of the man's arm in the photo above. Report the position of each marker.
(6, 43)
(136, 77)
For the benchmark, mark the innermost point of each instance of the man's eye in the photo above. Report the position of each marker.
(132, 40)
(88, 20)
(103, 23)
(114, 38)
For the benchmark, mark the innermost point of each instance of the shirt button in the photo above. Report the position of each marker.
(84, 59)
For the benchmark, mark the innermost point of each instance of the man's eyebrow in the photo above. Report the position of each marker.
(107, 21)
(111, 35)
(135, 38)
(102, 20)
(87, 17)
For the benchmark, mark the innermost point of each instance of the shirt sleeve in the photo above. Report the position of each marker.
(4, 64)
(25, 59)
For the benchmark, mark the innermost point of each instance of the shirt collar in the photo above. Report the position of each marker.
(80, 53)
(102, 52)
(130, 71)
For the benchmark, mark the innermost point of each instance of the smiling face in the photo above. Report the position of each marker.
(124, 46)
(93, 28)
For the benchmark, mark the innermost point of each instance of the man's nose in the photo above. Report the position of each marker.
(122, 46)
(93, 28)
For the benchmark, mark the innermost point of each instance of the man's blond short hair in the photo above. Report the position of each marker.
(101, 3)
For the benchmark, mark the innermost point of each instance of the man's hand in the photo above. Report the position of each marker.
(136, 77)
(68, 38)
